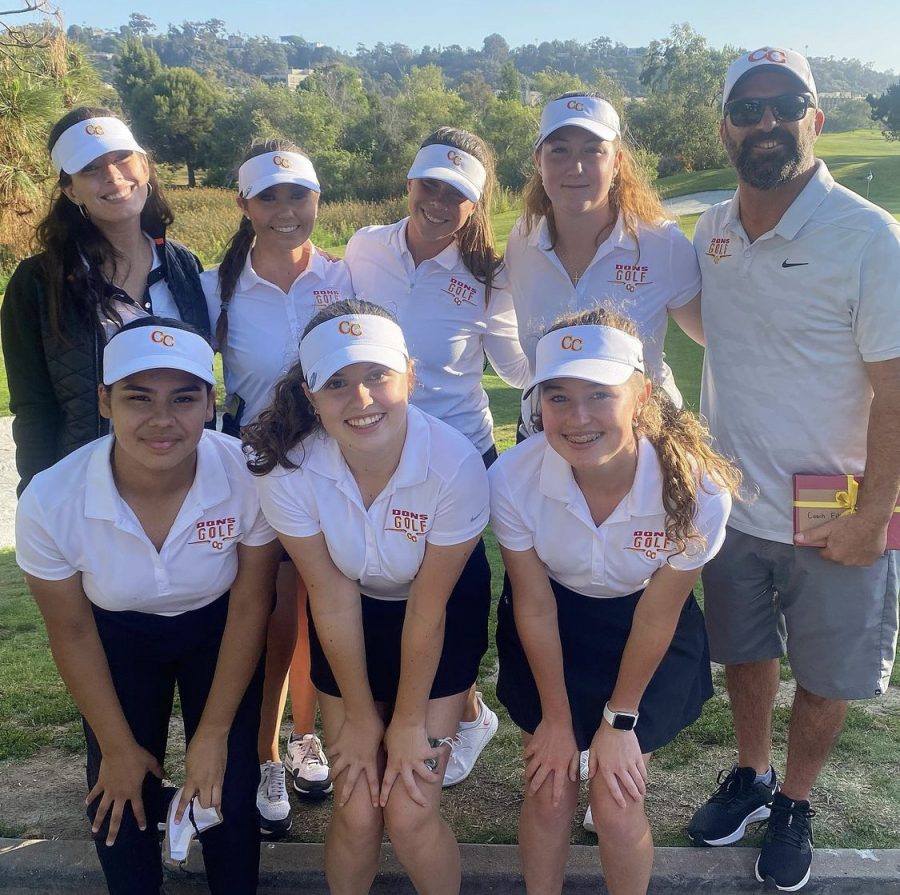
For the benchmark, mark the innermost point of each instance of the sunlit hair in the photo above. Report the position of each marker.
(631, 194)
(67, 239)
(475, 238)
(291, 416)
(241, 242)
(681, 441)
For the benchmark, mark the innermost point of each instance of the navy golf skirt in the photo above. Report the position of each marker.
(593, 632)
(465, 638)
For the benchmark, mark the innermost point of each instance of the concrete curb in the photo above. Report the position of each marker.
(57, 867)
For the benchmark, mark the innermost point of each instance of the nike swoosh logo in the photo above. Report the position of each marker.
(787, 263)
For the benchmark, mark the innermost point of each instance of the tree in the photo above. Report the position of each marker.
(140, 24)
(136, 66)
(849, 115)
(886, 111)
(680, 118)
(510, 128)
(174, 115)
(41, 76)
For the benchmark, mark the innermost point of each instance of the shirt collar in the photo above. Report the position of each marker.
(619, 237)
(644, 499)
(799, 211)
(103, 501)
(448, 258)
(250, 278)
(322, 455)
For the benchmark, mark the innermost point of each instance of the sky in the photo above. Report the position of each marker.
(868, 30)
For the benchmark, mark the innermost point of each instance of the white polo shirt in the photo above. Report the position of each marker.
(441, 310)
(791, 320)
(162, 302)
(437, 495)
(265, 325)
(71, 519)
(643, 279)
(536, 502)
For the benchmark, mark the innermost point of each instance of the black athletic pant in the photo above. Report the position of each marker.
(148, 655)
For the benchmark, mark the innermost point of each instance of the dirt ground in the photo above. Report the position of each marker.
(42, 797)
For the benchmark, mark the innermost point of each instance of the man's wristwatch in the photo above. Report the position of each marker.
(620, 720)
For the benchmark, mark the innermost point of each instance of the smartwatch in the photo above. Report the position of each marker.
(620, 720)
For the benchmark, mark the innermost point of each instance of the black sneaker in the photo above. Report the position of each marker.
(786, 855)
(738, 801)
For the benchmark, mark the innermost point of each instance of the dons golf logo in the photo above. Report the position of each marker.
(718, 248)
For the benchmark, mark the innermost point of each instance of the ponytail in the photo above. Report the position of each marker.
(229, 273)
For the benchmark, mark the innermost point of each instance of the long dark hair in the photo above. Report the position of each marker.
(682, 443)
(67, 239)
(291, 416)
(239, 245)
(475, 238)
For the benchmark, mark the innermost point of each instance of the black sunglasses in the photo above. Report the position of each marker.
(749, 111)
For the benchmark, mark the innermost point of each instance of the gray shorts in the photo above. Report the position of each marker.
(837, 624)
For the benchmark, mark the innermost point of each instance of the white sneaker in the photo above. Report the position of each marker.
(272, 801)
(177, 842)
(583, 768)
(471, 737)
(305, 761)
(588, 822)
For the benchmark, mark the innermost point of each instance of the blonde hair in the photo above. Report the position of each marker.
(681, 441)
(631, 194)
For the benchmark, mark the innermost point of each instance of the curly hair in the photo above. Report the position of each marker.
(239, 245)
(67, 239)
(630, 195)
(291, 416)
(680, 439)
(475, 238)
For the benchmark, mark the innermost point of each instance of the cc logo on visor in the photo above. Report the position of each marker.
(575, 105)
(455, 157)
(282, 162)
(768, 54)
(94, 130)
(162, 338)
(346, 328)
(571, 343)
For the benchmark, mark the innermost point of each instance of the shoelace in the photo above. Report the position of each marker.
(790, 825)
(275, 789)
(730, 783)
(310, 751)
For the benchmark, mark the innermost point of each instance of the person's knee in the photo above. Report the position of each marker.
(542, 807)
(358, 822)
(407, 823)
(616, 825)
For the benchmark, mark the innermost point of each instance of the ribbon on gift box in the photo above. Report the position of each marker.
(843, 500)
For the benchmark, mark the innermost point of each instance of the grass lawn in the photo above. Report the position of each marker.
(858, 797)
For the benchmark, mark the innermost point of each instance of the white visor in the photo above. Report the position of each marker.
(352, 339)
(262, 171)
(598, 354)
(86, 140)
(157, 348)
(451, 165)
(590, 113)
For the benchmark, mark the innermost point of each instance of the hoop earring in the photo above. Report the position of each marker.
(84, 213)
(149, 190)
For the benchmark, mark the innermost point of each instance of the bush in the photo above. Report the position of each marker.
(206, 218)
(669, 165)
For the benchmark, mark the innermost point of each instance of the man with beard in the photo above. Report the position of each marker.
(801, 311)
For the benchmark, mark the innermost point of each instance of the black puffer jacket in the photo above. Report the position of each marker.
(53, 381)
